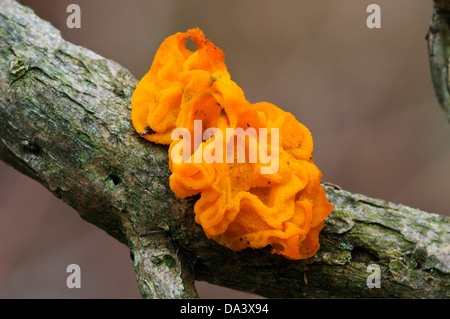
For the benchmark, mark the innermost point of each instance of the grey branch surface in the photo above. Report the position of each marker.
(65, 122)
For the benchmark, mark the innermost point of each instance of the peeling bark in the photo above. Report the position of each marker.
(65, 122)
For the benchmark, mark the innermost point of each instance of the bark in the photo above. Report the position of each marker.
(65, 121)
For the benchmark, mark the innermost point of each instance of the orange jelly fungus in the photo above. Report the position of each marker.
(239, 207)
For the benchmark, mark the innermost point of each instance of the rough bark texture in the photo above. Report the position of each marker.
(65, 121)
(438, 39)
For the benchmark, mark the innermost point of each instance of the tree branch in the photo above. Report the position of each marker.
(66, 122)
(438, 40)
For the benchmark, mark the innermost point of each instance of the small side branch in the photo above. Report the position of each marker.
(438, 40)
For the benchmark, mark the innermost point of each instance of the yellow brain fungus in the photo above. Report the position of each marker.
(248, 199)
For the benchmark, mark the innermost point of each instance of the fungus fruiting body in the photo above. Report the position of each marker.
(251, 163)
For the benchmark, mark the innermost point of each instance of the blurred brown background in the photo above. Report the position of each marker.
(365, 94)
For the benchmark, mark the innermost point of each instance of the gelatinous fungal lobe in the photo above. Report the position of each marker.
(249, 199)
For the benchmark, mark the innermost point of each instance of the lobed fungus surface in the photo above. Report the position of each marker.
(247, 199)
